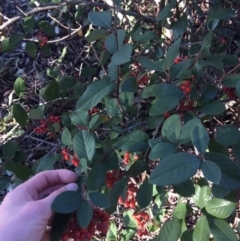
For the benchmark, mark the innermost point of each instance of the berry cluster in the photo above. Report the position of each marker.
(135, 73)
(142, 218)
(98, 224)
(126, 158)
(187, 104)
(112, 177)
(130, 201)
(67, 157)
(230, 92)
(44, 127)
(42, 39)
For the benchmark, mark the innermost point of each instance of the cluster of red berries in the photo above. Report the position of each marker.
(142, 218)
(126, 158)
(67, 157)
(130, 201)
(99, 224)
(187, 104)
(112, 177)
(93, 111)
(135, 73)
(42, 39)
(230, 92)
(44, 127)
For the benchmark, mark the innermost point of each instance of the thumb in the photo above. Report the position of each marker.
(47, 202)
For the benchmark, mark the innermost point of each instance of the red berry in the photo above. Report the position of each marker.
(166, 115)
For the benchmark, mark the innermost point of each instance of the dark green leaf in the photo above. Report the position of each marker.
(162, 150)
(67, 82)
(9, 148)
(206, 44)
(221, 230)
(164, 13)
(231, 80)
(102, 19)
(144, 194)
(129, 85)
(185, 189)
(47, 162)
(114, 41)
(228, 135)
(128, 219)
(187, 235)
(96, 177)
(163, 90)
(84, 213)
(200, 138)
(31, 49)
(211, 171)
(94, 94)
(215, 108)
(123, 55)
(96, 34)
(172, 53)
(152, 65)
(52, 91)
(22, 172)
(219, 192)
(84, 145)
(4, 183)
(137, 168)
(181, 70)
(99, 199)
(136, 141)
(79, 117)
(47, 28)
(67, 202)
(66, 137)
(20, 115)
(36, 114)
(28, 24)
(174, 169)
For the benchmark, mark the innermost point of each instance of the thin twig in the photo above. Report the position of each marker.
(86, 3)
(228, 73)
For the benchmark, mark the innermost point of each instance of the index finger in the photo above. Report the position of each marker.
(46, 179)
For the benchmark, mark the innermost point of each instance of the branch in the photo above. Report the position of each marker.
(77, 2)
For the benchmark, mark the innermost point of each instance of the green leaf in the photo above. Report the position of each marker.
(181, 70)
(172, 53)
(162, 150)
(51, 91)
(123, 55)
(102, 19)
(163, 90)
(115, 193)
(28, 24)
(164, 13)
(201, 231)
(220, 208)
(211, 171)
(215, 108)
(84, 213)
(47, 162)
(137, 168)
(129, 85)
(187, 130)
(31, 49)
(36, 114)
(146, 36)
(180, 211)
(113, 41)
(20, 115)
(9, 148)
(163, 105)
(174, 169)
(4, 183)
(230, 178)
(66, 137)
(219, 192)
(185, 189)
(96, 34)
(206, 44)
(228, 135)
(59, 225)
(99, 200)
(221, 230)
(187, 235)
(94, 94)
(170, 231)
(67, 202)
(144, 194)
(152, 65)
(22, 172)
(84, 145)
(200, 138)
(171, 128)
(112, 232)
(96, 177)
(136, 141)
(238, 88)
(202, 195)
(231, 80)
(19, 87)
(66, 82)
(79, 117)
(128, 219)
(47, 28)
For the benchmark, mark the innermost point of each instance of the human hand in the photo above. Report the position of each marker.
(26, 211)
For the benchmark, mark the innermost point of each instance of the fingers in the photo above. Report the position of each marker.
(47, 201)
(49, 190)
(46, 179)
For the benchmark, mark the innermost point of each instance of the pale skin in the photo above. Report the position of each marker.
(26, 211)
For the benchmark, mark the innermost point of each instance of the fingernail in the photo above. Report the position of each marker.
(72, 187)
